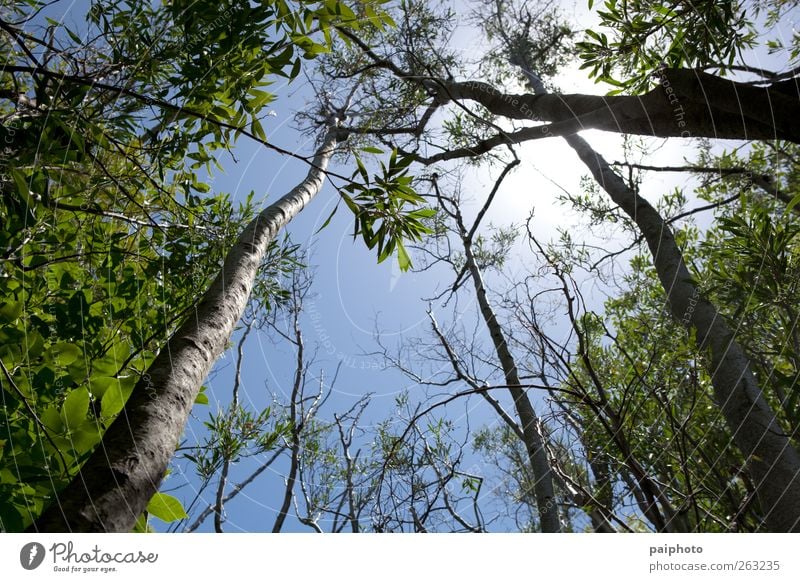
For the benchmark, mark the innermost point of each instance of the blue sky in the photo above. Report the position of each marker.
(352, 296)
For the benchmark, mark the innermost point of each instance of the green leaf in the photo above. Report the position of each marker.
(113, 400)
(328, 220)
(260, 98)
(295, 69)
(362, 170)
(201, 398)
(423, 213)
(21, 183)
(403, 260)
(166, 508)
(77, 39)
(10, 311)
(141, 524)
(75, 408)
(794, 202)
(52, 420)
(350, 203)
(7, 477)
(258, 130)
(85, 436)
(65, 353)
(315, 50)
(100, 385)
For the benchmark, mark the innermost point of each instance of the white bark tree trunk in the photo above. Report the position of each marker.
(113, 487)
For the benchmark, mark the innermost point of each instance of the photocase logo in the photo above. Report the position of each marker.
(31, 555)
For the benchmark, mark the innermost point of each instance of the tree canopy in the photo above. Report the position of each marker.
(636, 370)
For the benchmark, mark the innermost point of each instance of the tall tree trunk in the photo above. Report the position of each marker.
(769, 454)
(532, 430)
(113, 487)
(773, 461)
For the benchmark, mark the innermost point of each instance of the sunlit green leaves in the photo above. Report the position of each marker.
(166, 508)
(644, 36)
(202, 397)
(234, 434)
(75, 408)
(113, 400)
(111, 226)
(753, 272)
(10, 310)
(141, 525)
(64, 353)
(386, 208)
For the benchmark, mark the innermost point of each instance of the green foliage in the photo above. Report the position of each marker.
(642, 373)
(754, 272)
(646, 35)
(87, 300)
(166, 508)
(387, 209)
(644, 381)
(235, 434)
(111, 130)
(162, 506)
(464, 129)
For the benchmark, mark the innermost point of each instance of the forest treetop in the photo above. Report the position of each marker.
(124, 274)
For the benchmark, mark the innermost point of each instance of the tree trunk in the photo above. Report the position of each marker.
(113, 487)
(531, 425)
(773, 461)
(688, 103)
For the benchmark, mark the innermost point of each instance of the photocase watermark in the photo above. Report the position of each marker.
(330, 348)
(31, 555)
(687, 316)
(65, 557)
(674, 100)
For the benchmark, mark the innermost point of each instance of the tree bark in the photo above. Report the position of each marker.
(687, 103)
(532, 432)
(113, 487)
